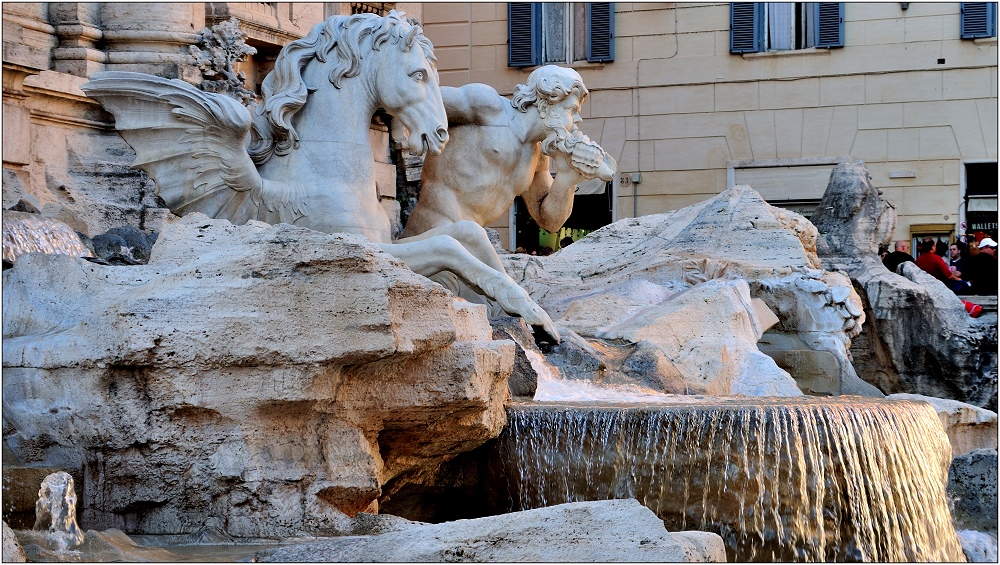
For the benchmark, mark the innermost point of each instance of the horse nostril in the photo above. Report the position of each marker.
(442, 134)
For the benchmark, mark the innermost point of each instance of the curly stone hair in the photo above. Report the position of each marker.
(548, 85)
(285, 92)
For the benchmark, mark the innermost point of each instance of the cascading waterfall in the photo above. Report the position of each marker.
(31, 233)
(842, 479)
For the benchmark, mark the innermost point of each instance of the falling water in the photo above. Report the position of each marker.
(31, 233)
(845, 479)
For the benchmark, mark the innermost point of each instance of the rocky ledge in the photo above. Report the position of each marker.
(245, 371)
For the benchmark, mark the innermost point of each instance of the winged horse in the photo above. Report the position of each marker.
(303, 155)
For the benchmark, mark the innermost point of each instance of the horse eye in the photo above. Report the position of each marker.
(420, 76)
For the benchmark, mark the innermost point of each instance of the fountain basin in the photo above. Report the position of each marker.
(800, 479)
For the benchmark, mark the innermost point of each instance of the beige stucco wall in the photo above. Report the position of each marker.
(677, 107)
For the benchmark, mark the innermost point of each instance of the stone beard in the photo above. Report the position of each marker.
(556, 134)
(584, 155)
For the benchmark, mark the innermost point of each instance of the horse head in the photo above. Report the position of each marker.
(389, 55)
(407, 84)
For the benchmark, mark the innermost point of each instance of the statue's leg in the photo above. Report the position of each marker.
(437, 253)
(471, 235)
(459, 288)
(473, 238)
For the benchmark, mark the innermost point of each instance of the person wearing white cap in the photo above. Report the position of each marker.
(989, 246)
(984, 268)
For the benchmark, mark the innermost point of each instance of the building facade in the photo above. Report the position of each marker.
(697, 97)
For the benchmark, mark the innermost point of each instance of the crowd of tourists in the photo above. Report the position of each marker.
(968, 266)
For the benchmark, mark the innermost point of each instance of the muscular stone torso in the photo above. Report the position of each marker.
(484, 167)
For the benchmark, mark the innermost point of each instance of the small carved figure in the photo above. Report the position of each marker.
(216, 51)
(500, 149)
(310, 161)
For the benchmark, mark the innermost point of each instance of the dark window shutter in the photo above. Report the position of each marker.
(600, 32)
(524, 41)
(979, 19)
(746, 27)
(829, 24)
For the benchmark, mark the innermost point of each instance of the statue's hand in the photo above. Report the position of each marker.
(606, 171)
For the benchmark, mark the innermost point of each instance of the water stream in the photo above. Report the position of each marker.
(843, 479)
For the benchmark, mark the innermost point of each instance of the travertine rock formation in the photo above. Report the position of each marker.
(246, 371)
(972, 483)
(12, 552)
(631, 286)
(968, 427)
(918, 338)
(600, 532)
(978, 547)
(702, 341)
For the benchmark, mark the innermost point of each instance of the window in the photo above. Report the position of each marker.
(783, 26)
(979, 19)
(981, 198)
(540, 33)
(377, 8)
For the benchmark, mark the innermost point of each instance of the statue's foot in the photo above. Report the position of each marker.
(543, 339)
(516, 302)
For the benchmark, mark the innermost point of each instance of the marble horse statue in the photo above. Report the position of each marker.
(303, 155)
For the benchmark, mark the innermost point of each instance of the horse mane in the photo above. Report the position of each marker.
(284, 91)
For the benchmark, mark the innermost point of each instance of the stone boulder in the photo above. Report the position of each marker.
(918, 337)
(12, 551)
(703, 341)
(978, 547)
(968, 427)
(603, 531)
(972, 481)
(623, 289)
(245, 371)
(83, 176)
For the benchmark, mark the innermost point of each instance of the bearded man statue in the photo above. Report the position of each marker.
(501, 148)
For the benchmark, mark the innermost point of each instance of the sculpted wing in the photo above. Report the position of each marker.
(192, 143)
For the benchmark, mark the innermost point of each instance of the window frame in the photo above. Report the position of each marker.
(984, 12)
(525, 43)
(748, 27)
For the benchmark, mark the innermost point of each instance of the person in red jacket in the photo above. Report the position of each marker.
(935, 265)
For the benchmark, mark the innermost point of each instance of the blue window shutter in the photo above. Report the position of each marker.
(524, 40)
(746, 27)
(600, 32)
(978, 19)
(829, 24)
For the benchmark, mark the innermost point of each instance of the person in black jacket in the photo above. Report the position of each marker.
(983, 267)
(900, 255)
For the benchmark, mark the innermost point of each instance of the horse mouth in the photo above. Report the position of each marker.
(429, 144)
